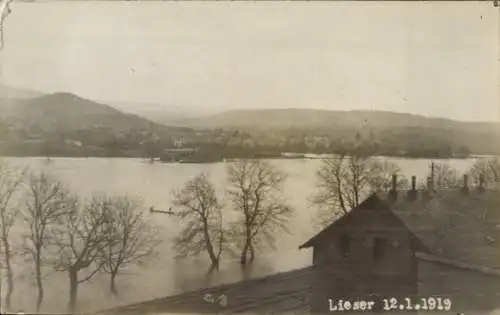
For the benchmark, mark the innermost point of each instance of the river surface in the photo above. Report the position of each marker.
(153, 183)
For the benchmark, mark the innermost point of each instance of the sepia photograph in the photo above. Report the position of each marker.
(249, 157)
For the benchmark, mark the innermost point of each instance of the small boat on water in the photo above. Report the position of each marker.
(169, 211)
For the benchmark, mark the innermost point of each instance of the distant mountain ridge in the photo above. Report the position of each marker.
(158, 112)
(316, 118)
(60, 116)
(397, 131)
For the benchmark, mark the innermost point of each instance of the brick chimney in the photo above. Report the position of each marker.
(481, 187)
(465, 188)
(393, 193)
(412, 193)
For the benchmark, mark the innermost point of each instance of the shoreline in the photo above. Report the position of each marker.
(306, 156)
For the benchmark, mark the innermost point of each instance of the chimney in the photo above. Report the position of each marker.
(430, 183)
(393, 193)
(427, 193)
(481, 183)
(465, 188)
(412, 194)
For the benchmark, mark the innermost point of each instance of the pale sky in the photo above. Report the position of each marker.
(435, 59)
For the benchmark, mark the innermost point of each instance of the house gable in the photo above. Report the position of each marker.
(373, 216)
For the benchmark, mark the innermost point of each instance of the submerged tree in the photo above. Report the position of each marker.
(10, 181)
(200, 212)
(255, 191)
(4, 13)
(442, 176)
(345, 181)
(488, 168)
(128, 238)
(78, 239)
(45, 201)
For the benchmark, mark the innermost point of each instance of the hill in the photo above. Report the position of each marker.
(159, 112)
(314, 118)
(63, 124)
(394, 131)
(66, 112)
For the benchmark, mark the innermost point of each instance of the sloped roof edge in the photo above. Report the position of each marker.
(458, 264)
(371, 199)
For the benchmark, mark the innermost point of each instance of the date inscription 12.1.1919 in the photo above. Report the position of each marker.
(392, 304)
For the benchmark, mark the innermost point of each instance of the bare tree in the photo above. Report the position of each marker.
(10, 180)
(45, 200)
(255, 188)
(200, 211)
(344, 181)
(78, 239)
(489, 169)
(443, 176)
(4, 12)
(128, 239)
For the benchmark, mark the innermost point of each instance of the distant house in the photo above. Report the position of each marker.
(409, 244)
(173, 155)
(73, 142)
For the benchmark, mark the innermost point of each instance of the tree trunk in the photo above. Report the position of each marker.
(39, 283)
(252, 252)
(208, 242)
(1, 280)
(112, 284)
(73, 289)
(209, 276)
(243, 257)
(248, 240)
(213, 267)
(10, 273)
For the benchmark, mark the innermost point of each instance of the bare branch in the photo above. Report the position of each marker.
(128, 237)
(10, 180)
(78, 238)
(344, 181)
(488, 169)
(45, 201)
(4, 12)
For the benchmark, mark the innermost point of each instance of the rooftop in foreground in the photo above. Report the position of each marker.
(283, 292)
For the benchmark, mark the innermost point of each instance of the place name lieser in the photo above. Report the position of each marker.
(391, 304)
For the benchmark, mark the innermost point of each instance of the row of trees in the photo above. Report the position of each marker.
(342, 184)
(61, 232)
(257, 210)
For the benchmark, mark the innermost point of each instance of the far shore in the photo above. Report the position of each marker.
(282, 156)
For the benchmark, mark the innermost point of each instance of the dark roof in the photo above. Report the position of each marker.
(456, 226)
(373, 202)
(282, 292)
(451, 224)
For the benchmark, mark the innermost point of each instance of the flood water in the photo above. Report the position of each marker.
(153, 183)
